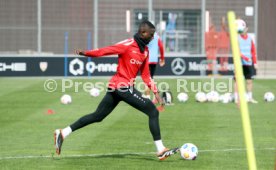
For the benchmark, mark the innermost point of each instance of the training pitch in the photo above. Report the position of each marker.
(29, 115)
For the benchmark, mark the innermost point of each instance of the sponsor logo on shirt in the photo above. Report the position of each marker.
(134, 61)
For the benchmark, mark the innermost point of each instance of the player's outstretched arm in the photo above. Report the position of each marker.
(80, 52)
(115, 49)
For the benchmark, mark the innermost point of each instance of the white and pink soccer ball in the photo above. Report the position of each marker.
(94, 92)
(200, 97)
(188, 151)
(212, 96)
(240, 25)
(226, 98)
(66, 99)
(182, 97)
(269, 97)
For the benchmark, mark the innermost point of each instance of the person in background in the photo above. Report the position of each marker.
(248, 57)
(171, 31)
(223, 46)
(155, 46)
(211, 48)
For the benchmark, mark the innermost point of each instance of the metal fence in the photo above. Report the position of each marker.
(61, 26)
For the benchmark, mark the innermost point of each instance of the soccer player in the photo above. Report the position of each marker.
(133, 57)
(154, 47)
(248, 57)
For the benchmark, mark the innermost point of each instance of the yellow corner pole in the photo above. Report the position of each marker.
(241, 91)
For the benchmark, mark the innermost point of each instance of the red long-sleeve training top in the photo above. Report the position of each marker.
(130, 62)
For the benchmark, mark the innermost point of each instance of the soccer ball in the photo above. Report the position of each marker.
(182, 97)
(200, 97)
(229, 96)
(215, 97)
(269, 97)
(66, 99)
(226, 98)
(222, 98)
(94, 92)
(241, 25)
(188, 151)
(212, 96)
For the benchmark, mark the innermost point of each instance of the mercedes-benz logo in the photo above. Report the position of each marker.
(178, 66)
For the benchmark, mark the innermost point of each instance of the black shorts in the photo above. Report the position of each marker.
(248, 71)
(152, 68)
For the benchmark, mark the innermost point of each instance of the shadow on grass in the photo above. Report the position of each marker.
(132, 156)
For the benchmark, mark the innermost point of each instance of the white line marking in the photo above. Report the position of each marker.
(113, 154)
(237, 149)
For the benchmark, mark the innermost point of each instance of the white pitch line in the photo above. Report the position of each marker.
(113, 154)
(237, 149)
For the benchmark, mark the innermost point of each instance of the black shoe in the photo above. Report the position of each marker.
(166, 153)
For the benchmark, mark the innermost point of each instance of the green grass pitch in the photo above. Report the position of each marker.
(123, 140)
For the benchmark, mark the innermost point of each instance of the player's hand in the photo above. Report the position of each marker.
(158, 98)
(161, 108)
(247, 59)
(256, 66)
(162, 63)
(79, 52)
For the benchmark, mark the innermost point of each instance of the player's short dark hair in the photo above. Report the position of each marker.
(146, 22)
